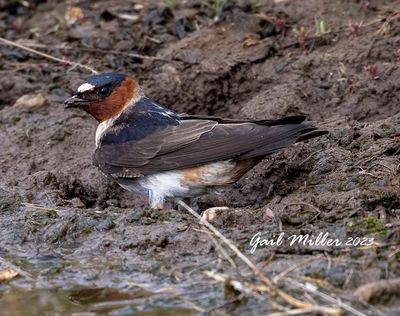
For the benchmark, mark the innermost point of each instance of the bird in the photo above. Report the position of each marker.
(154, 151)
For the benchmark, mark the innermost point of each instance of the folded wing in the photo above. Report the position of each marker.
(199, 140)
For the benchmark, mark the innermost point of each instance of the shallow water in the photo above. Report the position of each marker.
(54, 285)
(17, 301)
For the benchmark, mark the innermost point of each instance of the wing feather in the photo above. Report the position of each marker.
(197, 141)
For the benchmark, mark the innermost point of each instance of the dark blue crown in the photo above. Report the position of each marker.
(112, 78)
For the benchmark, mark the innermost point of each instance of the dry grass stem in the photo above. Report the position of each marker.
(92, 50)
(36, 52)
(269, 286)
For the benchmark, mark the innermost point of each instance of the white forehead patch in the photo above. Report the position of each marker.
(86, 87)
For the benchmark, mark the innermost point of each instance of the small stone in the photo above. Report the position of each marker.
(73, 15)
(130, 17)
(325, 167)
(280, 67)
(31, 101)
(138, 7)
(57, 232)
(112, 202)
(106, 224)
(59, 135)
(7, 274)
(135, 216)
(77, 203)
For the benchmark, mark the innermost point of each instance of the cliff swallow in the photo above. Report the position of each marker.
(149, 149)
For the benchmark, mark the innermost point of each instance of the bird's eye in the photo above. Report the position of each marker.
(104, 90)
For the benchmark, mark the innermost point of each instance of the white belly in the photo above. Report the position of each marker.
(177, 184)
(159, 186)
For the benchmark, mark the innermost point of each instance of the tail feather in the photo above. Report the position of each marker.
(312, 133)
(284, 136)
(295, 119)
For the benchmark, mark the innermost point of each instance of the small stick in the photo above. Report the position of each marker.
(310, 156)
(226, 241)
(218, 247)
(34, 51)
(93, 50)
(272, 289)
(326, 297)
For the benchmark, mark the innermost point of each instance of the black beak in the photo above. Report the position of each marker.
(74, 102)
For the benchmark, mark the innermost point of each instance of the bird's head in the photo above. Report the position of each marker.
(104, 96)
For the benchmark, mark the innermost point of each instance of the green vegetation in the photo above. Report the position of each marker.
(369, 226)
(321, 27)
(170, 4)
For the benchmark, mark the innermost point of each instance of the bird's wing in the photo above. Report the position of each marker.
(134, 156)
(194, 142)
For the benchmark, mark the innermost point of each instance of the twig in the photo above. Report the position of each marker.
(218, 247)
(225, 240)
(299, 311)
(34, 51)
(39, 207)
(325, 296)
(310, 156)
(239, 286)
(270, 287)
(347, 281)
(193, 305)
(106, 51)
(393, 253)
(248, 288)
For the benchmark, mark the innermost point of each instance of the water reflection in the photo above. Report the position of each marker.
(85, 301)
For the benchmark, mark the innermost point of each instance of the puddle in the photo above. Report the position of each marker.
(57, 285)
(16, 301)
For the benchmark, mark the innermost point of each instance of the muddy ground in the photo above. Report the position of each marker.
(83, 245)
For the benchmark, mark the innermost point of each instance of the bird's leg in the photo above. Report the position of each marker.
(156, 200)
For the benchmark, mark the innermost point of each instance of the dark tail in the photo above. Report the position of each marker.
(309, 131)
(283, 133)
(311, 134)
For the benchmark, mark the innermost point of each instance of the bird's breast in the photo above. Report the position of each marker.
(102, 129)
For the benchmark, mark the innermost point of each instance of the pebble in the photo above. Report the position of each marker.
(106, 224)
(31, 101)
